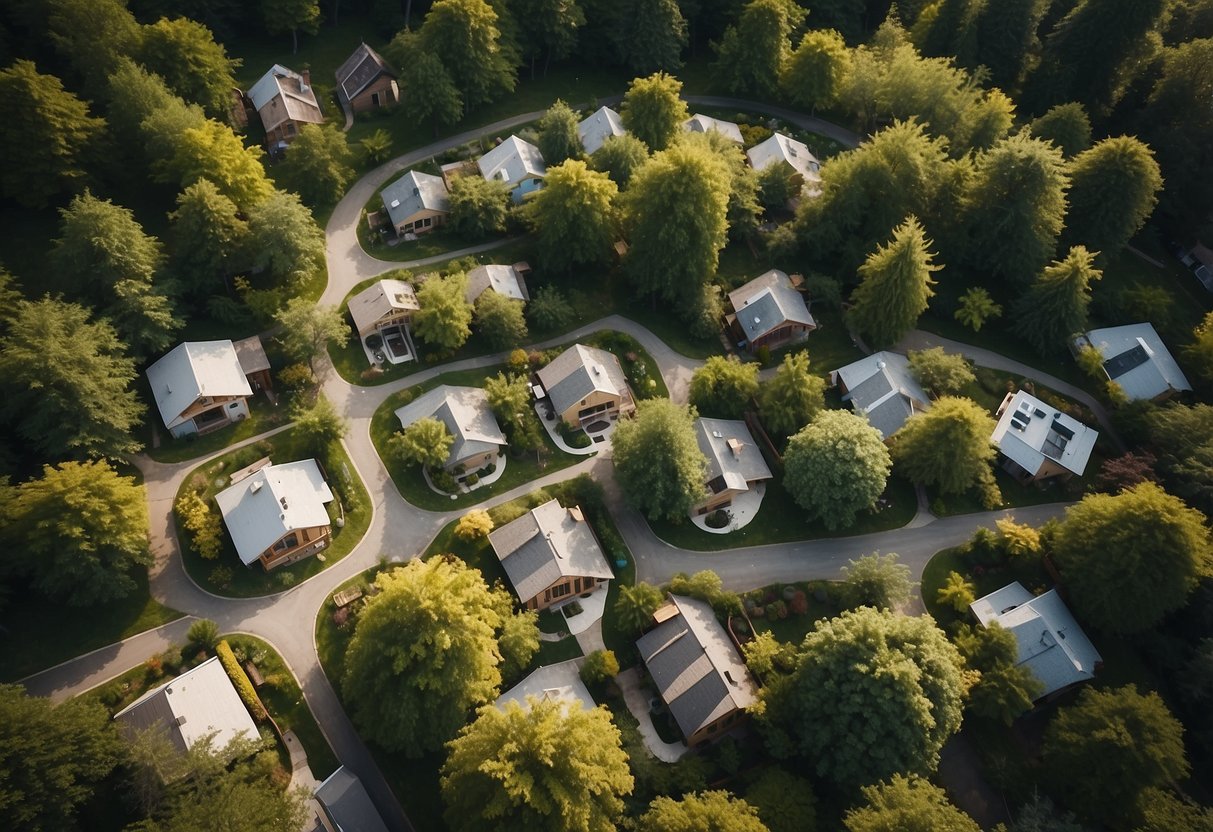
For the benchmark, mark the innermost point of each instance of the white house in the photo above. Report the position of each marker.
(277, 515)
(882, 388)
(466, 414)
(793, 155)
(1038, 441)
(735, 464)
(1136, 358)
(416, 203)
(509, 281)
(702, 124)
(599, 126)
(199, 386)
(1050, 642)
(560, 682)
(517, 163)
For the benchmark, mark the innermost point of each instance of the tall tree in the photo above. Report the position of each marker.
(510, 400)
(291, 16)
(1007, 41)
(792, 397)
(445, 316)
(835, 467)
(1114, 187)
(723, 386)
(308, 329)
(650, 35)
(895, 284)
(714, 811)
(318, 164)
(500, 320)
(185, 54)
(432, 96)
(574, 217)
(784, 801)
(620, 157)
(1066, 125)
(558, 137)
(67, 382)
(414, 694)
(907, 804)
(92, 37)
(426, 442)
(1182, 436)
(752, 54)
(549, 29)
(658, 461)
(635, 606)
(317, 423)
(878, 581)
(284, 238)
(464, 34)
(1005, 689)
(1128, 559)
(479, 207)
(947, 447)
(1055, 305)
(653, 110)
(48, 129)
(976, 307)
(80, 532)
(543, 766)
(144, 113)
(940, 372)
(814, 73)
(212, 151)
(207, 239)
(1200, 352)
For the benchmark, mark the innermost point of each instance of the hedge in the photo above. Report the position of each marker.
(241, 680)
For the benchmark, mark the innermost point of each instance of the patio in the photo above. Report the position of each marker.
(397, 346)
(742, 511)
(592, 609)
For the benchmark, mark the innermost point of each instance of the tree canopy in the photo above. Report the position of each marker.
(308, 329)
(574, 216)
(285, 238)
(479, 207)
(907, 804)
(465, 36)
(650, 35)
(723, 386)
(500, 320)
(940, 372)
(752, 54)
(318, 164)
(835, 467)
(793, 396)
(1114, 187)
(785, 802)
(653, 111)
(558, 136)
(620, 157)
(815, 72)
(185, 54)
(1005, 688)
(1065, 125)
(878, 581)
(948, 447)
(1055, 306)
(895, 285)
(658, 461)
(425, 442)
(445, 316)
(207, 238)
(709, 811)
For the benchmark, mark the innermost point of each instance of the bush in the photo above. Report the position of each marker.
(201, 524)
(443, 480)
(241, 680)
(471, 479)
(474, 525)
(221, 576)
(599, 667)
(519, 361)
(204, 634)
(777, 609)
(718, 519)
(799, 605)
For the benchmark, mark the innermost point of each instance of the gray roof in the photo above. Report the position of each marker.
(504, 280)
(466, 414)
(1030, 431)
(545, 544)
(413, 193)
(696, 668)
(700, 123)
(1136, 358)
(731, 451)
(579, 371)
(597, 127)
(881, 387)
(560, 682)
(781, 148)
(359, 70)
(251, 353)
(282, 94)
(273, 502)
(767, 302)
(512, 161)
(382, 298)
(346, 802)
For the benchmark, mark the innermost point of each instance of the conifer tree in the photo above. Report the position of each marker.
(895, 285)
(1114, 187)
(1055, 305)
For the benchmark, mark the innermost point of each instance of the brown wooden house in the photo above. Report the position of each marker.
(365, 82)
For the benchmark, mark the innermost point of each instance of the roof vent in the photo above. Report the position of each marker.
(718, 434)
(757, 319)
(1145, 346)
(181, 719)
(283, 501)
(729, 677)
(880, 365)
(735, 445)
(255, 487)
(395, 203)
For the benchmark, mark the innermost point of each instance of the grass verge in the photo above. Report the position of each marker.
(262, 416)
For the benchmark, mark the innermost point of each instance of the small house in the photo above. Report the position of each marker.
(881, 388)
(698, 670)
(1135, 357)
(345, 805)
(584, 384)
(200, 387)
(517, 163)
(795, 157)
(1037, 441)
(769, 312)
(466, 414)
(596, 128)
(550, 555)
(285, 101)
(703, 124)
(276, 515)
(365, 82)
(560, 682)
(416, 203)
(509, 281)
(735, 464)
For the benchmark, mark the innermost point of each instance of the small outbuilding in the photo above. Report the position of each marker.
(365, 82)
(596, 128)
(416, 203)
(517, 163)
(508, 281)
(200, 387)
(699, 123)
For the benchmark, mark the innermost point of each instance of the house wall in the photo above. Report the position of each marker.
(416, 222)
(474, 462)
(397, 316)
(526, 186)
(234, 408)
(568, 588)
(308, 542)
(715, 730)
(595, 399)
(388, 92)
(780, 336)
(287, 132)
(716, 501)
(260, 377)
(1051, 469)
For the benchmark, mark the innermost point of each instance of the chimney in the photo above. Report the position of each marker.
(735, 445)
(307, 78)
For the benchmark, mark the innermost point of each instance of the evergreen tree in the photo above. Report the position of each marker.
(92, 37)
(723, 387)
(574, 217)
(650, 35)
(465, 36)
(1055, 305)
(792, 397)
(752, 54)
(1066, 125)
(432, 95)
(815, 72)
(1113, 190)
(620, 157)
(635, 606)
(653, 110)
(185, 54)
(976, 307)
(284, 238)
(549, 29)
(895, 284)
(318, 164)
(558, 137)
(1007, 42)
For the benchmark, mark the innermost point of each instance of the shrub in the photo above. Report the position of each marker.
(718, 519)
(203, 633)
(374, 341)
(296, 377)
(241, 680)
(221, 576)
(599, 667)
(474, 525)
(778, 609)
(443, 480)
(201, 524)
(799, 604)
(519, 361)
(471, 479)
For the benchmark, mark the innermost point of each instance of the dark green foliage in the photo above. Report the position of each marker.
(1067, 126)
(650, 35)
(895, 285)
(785, 802)
(500, 320)
(318, 164)
(658, 461)
(1007, 41)
(948, 447)
(620, 157)
(549, 310)
(574, 215)
(792, 397)
(184, 53)
(652, 110)
(558, 138)
(835, 467)
(1114, 187)
(1055, 305)
(723, 387)
(285, 238)
(466, 37)
(907, 804)
(752, 54)
(1005, 689)
(207, 239)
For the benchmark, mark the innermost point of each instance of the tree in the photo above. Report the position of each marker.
(549, 310)
(895, 284)
(1114, 187)
(1181, 436)
(377, 147)
(904, 687)
(46, 127)
(753, 52)
(203, 634)
(67, 382)
(1018, 539)
(1055, 305)
(464, 35)
(1200, 352)
(413, 694)
(500, 320)
(976, 307)
(318, 164)
(785, 802)
(426, 442)
(207, 238)
(201, 524)
(184, 53)
(793, 396)
(620, 157)
(1065, 125)
(653, 110)
(53, 757)
(658, 461)
(444, 319)
(940, 372)
(722, 387)
(599, 667)
(549, 28)
(743, 207)
(558, 136)
(1130, 558)
(1005, 689)
(1007, 41)
(284, 237)
(878, 581)
(432, 96)
(907, 804)
(635, 605)
(1162, 810)
(650, 35)
(212, 151)
(574, 216)
(307, 329)
(510, 400)
(948, 447)
(1109, 746)
(475, 525)
(814, 73)
(80, 532)
(291, 15)
(479, 207)
(714, 811)
(835, 467)
(956, 593)
(1040, 815)
(91, 37)
(1126, 471)
(318, 425)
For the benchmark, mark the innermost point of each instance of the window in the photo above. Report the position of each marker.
(560, 591)
(233, 405)
(290, 128)
(375, 99)
(288, 542)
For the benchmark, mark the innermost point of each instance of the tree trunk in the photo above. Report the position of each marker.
(547, 61)
(294, 41)
(408, 11)
(336, 11)
(532, 67)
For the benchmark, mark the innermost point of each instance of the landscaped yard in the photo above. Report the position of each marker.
(250, 581)
(823, 602)
(1028, 571)
(262, 416)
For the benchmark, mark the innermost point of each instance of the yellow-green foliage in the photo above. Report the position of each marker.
(474, 525)
(201, 524)
(240, 679)
(956, 592)
(1018, 539)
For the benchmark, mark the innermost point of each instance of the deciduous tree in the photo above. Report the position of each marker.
(600, 666)
(948, 447)
(207, 239)
(956, 593)
(432, 98)
(940, 372)
(709, 811)
(426, 442)
(1055, 305)
(558, 136)
(465, 36)
(201, 523)
(308, 329)
(1005, 688)
(212, 151)
(895, 285)
(1007, 41)
(785, 802)
(878, 581)
(285, 238)
(318, 424)
(444, 319)
(185, 54)
(500, 320)
(479, 207)
(92, 37)
(753, 52)
(835, 467)
(658, 461)
(650, 35)
(1200, 352)
(793, 396)
(1183, 437)
(291, 16)
(549, 29)
(1114, 187)
(318, 164)
(723, 387)
(475, 525)
(574, 216)
(635, 605)
(907, 804)
(653, 110)
(814, 73)
(620, 157)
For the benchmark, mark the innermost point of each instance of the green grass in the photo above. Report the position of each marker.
(253, 581)
(262, 416)
(39, 634)
(985, 579)
(793, 628)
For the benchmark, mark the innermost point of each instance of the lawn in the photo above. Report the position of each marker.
(253, 581)
(823, 598)
(985, 579)
(262, 416)
(39, 634)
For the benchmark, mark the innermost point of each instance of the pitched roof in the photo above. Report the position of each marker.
(1050, 642)
(504, 280)
(732, 453)
(1030, 431)
(695, 666)
(192, 370)
(560, 682)
(1136, 358)
(466, 414)
(597, 127)
(781, 148)
(275, 501)
(767, 302)
(701, 124)
(190, 707)
(512, 161)
(881, 387)
(579, 371)
(359, 70)
(381, 298)
(281, 94)
(546, 544)
(415, 192)
(251, 354)
(347, 804)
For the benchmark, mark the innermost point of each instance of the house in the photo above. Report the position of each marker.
(466, 414)
(277, 515)
(795, 156)
(697, 669)
(735, 464)
(285, 101)
(516, 163)
(385, 303)
(769, 312)
(345, 806)
(882, 388)
(416, 203)
(504, 280)
(254, 363)
(1050, 642)
(365, 82)
(199, 387)
(585, 384)
(560, 682)
(550, 555)
(198, 704)
(1136, 358)
(1038, 441)
(597, 127)
(703, 124)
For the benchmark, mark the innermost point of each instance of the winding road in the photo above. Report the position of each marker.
(400, 531)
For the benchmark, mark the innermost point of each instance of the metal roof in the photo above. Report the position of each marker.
(1136, 358)
(699, 123)
(413, 193)
(597, 127)
(560, 682)
(504, 280)
(347, 804)
(466, 414)
(732, 453)
(512, 161)
(262, 508)
(546, 544)
(781, 148)
(1029, 431)
(193, 370)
